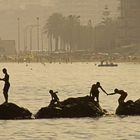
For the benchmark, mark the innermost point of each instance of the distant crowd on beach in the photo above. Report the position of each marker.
(68, 57)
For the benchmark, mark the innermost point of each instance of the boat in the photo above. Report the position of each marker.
(107, 64)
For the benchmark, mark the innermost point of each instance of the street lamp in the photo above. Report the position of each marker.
(18, 20)
(25, 37)
(29, 27)
(31, 39)
(37, 33)
(42, 39)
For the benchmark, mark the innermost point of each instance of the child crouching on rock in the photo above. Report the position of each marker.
(54, 97)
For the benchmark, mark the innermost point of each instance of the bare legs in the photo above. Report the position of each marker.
(5, 96)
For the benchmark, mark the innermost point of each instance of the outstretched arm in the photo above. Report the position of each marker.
(103, 90)
(111, 93)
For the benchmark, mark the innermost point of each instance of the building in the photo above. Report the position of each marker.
(130, 22)
(7, 47)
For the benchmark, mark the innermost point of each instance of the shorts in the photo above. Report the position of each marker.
(6, 88)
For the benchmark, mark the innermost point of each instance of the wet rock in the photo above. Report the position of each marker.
(71, 108)
(12, 111)
(129, 108)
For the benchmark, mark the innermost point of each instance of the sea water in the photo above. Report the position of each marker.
(29, 88)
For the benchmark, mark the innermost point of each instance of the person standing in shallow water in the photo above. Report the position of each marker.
(122, 93)
(6, 84)
(94, 92)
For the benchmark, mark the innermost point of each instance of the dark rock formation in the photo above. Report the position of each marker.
(12, 111)
(72, 107)
(129, 108)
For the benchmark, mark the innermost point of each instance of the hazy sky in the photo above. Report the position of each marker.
(28, 10)
(51, 2)
(15, 4)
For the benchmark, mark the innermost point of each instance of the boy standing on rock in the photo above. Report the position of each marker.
(6, 85)
(94, 92)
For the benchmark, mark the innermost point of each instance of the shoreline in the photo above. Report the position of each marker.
(63, 62)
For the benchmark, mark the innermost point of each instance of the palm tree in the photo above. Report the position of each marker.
(73, 26)
(53, 28)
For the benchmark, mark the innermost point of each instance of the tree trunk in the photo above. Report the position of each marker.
(56, 43)
(50, 43)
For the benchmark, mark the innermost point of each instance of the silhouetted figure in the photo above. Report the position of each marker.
(94, 92)
(54, 97)
(6, 85)
(122, 93)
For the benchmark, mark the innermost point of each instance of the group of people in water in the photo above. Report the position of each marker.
(94, 92)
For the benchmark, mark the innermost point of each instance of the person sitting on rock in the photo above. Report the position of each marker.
(94, 92)
(6, 85)
(122, 93)
(54, 97)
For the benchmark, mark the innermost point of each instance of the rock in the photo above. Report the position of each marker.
(12, 111)
(137, 107)
(129, 108)
(71, 108)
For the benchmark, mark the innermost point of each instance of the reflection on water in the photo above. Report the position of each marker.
(29, 88)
